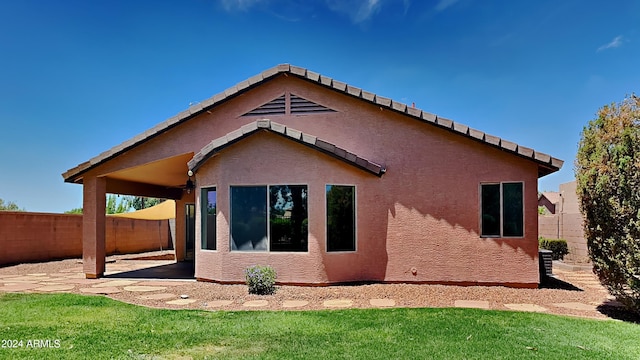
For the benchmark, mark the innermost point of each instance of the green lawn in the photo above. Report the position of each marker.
(99, 328)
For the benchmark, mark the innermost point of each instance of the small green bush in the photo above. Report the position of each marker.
(558, 247)
(261, 280)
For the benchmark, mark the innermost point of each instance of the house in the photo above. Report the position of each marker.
(549, 200)
(328, 183)
(567, 223)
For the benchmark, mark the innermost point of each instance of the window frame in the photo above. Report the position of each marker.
(204, 204)
(268, 218)
(501, 219)
(355, 220)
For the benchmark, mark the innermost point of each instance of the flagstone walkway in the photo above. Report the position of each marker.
(190, 294)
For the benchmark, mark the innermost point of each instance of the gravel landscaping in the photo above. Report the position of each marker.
(590, 300)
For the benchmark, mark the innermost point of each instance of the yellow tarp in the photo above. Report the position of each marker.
(164, 210)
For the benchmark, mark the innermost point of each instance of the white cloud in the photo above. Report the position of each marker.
(444, 4)
(231, 5)
(358, 10)
(616, 42)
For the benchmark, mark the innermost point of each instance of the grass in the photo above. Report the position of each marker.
(100, 328)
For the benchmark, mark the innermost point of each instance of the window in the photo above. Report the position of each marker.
(209, 206)
(341, 218)
(274, 220)
(502, 209)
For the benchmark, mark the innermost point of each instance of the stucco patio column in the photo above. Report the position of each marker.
(181, 240)
(93, 227)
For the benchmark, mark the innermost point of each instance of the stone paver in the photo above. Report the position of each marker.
(38, 274)
(256, 303)
(15, 287)
(382, 302)
(576, 306)
(218, 303)
(101, 290)
(526, 307)
(181, 302)
(116, 283)
(50, 288)
(161, 296)
(474, 304)
(143, 288)
(338, 303)
(294, 303)
(162, 283)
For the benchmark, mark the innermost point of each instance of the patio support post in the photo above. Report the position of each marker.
(93, 227)
(181, 231)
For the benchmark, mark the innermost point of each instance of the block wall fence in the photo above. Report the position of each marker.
(34, 237)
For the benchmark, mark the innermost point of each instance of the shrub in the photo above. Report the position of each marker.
(608, 175)
(558, 247)
(261, 280)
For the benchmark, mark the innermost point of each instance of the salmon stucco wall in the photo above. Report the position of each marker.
(33, 237)
(419, 222)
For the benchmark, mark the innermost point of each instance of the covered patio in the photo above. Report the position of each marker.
(165, 178)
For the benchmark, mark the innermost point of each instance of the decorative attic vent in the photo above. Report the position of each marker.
(297, 106)
(274, 107)
(303, 106)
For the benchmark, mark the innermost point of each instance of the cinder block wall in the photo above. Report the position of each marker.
(33, 237)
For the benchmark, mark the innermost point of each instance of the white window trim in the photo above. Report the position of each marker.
(524, 208)
(199, 205)
(355, 220)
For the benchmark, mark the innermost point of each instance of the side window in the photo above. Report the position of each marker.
(502, 213)
(209, 207)
(341, 218)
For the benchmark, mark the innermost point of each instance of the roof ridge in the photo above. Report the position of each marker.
(548, 164)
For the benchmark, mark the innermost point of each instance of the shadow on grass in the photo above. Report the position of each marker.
(616, 310)
(550, 282)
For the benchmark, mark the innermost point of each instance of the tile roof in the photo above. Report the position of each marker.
(546, 163)
(295, 135)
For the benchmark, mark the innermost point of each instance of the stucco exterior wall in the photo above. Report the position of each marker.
(422, 215)
(32, 237)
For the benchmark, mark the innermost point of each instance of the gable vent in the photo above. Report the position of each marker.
(303, 106)
(274, 107)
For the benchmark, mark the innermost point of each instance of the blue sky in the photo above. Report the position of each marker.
(79, 77)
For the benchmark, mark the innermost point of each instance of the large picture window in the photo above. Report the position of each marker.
(209, 208)
(502, 211)
(341, 218)
(270, 218)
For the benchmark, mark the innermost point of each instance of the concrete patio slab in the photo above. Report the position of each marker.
(143, 288)
(101, 290)
(181, 302)
(161, 296)
(576, 306)
(116, 283)
(474, 304)
(256, 303)
(382, 302)
(294, 303)
(338, 303)
(526, 307)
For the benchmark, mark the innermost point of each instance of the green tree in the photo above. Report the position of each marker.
(10, 206)
(74, 211)
(140, 202)
(608, 185)
(116, 207)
